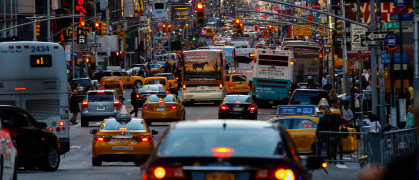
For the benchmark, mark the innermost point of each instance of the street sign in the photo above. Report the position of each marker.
(400, 3)
(122, 35)
(370, 43)
(339, 39)
(357, 36)
(95, 45)
(79, 56)
(391, 40)
(405, 17)
(395, 25)
(266, 33)
(81, 36)
(300, 31)
(374, 36)
(85, 49)
(327, 50)
(386, 57)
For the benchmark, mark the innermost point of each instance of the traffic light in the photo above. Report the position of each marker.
(104, 28)
(164, 29)
(339, 27)
(118, 28)
(200, 19)
(150, 32)
(256, 27)
(169, 27)
(97, 28)
(37, 29)
(270, 28)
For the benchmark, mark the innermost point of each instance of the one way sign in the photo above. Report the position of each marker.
(376, 36)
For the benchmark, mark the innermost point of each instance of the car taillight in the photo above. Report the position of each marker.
(230, 84)
(84, 104)
(183, 87)
(142, 138)
(103, 138)
(221, 86)
(252, 108)
(224, 107)
(173, 107)
(138, 96)
(279, 174)
(146, 107)
(116, 104)
(168, 172)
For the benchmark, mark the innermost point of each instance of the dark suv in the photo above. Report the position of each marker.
(307, 96)
(36, 145)
(82, 85)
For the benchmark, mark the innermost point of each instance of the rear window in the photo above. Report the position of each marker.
(155, 81)
(106, 96)
(308, 97)
(111, 86)
(148, 89)
(239, 78)
(114, 125)
(106, 73)
(168, 77)
(296, 123)
(239, 99)
(204, 142)
(80, 83)
(168, 98)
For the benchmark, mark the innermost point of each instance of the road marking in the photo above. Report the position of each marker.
(342, 166)
(75, 147)
(129, 100)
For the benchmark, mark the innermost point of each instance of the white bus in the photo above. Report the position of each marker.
(33, 76)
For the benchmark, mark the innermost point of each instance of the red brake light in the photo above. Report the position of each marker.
(159, 172)
(145, 139)
(100, 92)
(84, 104)
(224, 107)
(61, 123)
(117, 104)
(222, 152)
(146, 107)
(142, 138)
(122, 129)
(103, 138)
(237, 102)
(174, 107)
(280, 174)
(230, 84)
(183, 87)
(252, 108)
(284, 174)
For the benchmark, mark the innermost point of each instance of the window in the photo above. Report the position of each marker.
(239, 78)
(114, 125)
(286, 122)
(240, 99)
(20, 119)
(304, 124)
(80, 83)
(106, 96)
(156, 81)
(168, 98)
(159, 6)
(227, 78)
(117, 73)
(124, 74)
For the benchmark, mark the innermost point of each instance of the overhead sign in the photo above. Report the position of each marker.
(357, 36)
(81, 36)
(339, 39)
(386, 57)
(301, 31)
(391, 40)
(95, 45)
(373, 36)
(299, 110)
(405, 17)
(400, 3)
(266, 34)
(320, 30)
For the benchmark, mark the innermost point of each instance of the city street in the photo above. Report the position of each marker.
(76, 164)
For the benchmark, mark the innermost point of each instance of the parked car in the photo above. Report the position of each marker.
(37, 147)
(98, 105)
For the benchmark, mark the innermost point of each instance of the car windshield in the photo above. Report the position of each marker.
(148, 89)
(308, 97)
(155, 81)
(107, 73)
(239, 78)
(81, 83)
(114, 125)
(238, 99)
(105, 96)
(168, 98)
(205, 142)
(113, 85)
(167, 76)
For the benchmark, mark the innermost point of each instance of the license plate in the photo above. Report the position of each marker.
(120, 141)
(122, 148)
(100, 107)
(219, 176)
(237, 109)
(160, 109)
(202, 87)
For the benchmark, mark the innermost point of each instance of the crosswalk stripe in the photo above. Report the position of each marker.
(342, 166)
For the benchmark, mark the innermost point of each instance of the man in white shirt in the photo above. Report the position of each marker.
(348, 115)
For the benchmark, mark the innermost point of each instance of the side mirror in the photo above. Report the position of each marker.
(315, 162)
(154, 132)
(93, 131)
(42, 125)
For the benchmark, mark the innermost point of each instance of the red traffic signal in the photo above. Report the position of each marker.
(200, 6)
(164, 25)
(150, 31)
(169, 26)
(97, 25)
(237, 21)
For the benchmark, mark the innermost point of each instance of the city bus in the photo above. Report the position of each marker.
(272, 77)
(203, 76)
(33, 76)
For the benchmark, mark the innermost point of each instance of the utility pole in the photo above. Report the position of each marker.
(373, 61)
(344, 52)
(383, 103)
(95, 37)
(49, 21)
(72, 41)
(416, 51)
(361, 91)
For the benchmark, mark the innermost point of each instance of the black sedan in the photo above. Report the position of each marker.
(238, 106)
(226, 149)
(148, 90)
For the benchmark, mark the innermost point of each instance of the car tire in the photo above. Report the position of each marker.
(96, 162)
(183, 116)
(138, 83)
(52, 160)
(84, 122)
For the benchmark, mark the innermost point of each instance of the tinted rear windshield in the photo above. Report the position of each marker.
(169, 77)
(106, 96)
(238, 99)
(155, 81)
(205, 142)
(81, 83)
(148, 89)
(155, 99)
(112, 86)
(114, 125)
(239, 78)
(308, 97)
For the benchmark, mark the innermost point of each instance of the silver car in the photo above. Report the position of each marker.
(98, 105)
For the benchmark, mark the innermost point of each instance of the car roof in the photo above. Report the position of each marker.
(105, 90)
(158, 85)
(161, 74)
(241, 95)
(75, 79)
(155, 77)
(222, 124)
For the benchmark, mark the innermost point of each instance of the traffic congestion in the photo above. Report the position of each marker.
(236, 93)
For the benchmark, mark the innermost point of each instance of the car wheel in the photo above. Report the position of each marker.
(138, 83)
(96, 162)
(52, 160)
(84, 122)
(183, 116)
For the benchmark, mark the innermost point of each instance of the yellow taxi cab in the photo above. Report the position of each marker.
(163, 108)
(301, 123)
(210, 31)
(323, 104)
(127, 79)
(157, 80)
(113, 83)
(122, 139)
(171, 79)
(237, 84)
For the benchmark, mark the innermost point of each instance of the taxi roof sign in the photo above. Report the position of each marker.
(296, 110)
(123, 114)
